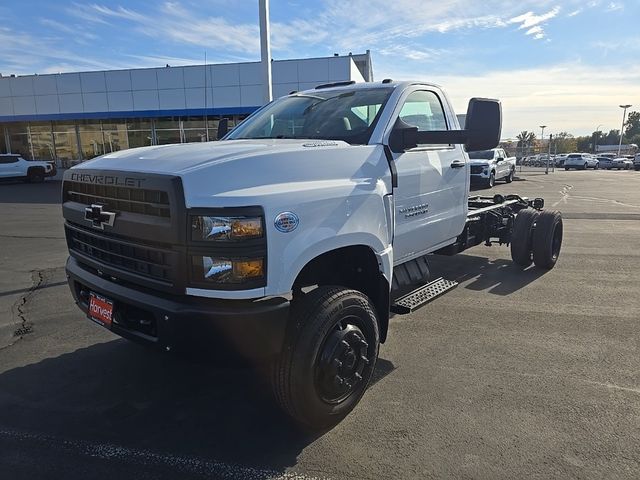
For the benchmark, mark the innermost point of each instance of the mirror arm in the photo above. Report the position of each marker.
(436, 137)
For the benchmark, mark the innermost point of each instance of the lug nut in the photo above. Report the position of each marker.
(337, 363)
(364, 360)
(358, 377)
(338, 380)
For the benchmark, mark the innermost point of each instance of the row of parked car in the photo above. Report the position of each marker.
(583, 161)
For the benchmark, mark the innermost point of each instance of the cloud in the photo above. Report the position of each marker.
(533, 23)
(614, 7)
(552, 95)
(578, 11)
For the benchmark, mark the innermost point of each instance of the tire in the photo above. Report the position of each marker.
(585, 166)
(509, 178)
(35, 175)
(597, 166)
(492, 180)
(325, 367)
(521, 238)
(547, 239)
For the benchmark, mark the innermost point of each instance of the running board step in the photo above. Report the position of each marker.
(420, 296)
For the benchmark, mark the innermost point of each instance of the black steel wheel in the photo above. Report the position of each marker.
(328, 358)
(547, 239)
(521, 237)
(35, 175)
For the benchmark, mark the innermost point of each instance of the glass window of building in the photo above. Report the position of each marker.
(66, 143)
(19, 140)
(91, 139)
(115, 136)
(194, 129)
(168, 130)
(139, 133)
(42, 141)
(3, 143)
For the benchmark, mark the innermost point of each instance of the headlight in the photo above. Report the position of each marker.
(227, 270)
(209, 228)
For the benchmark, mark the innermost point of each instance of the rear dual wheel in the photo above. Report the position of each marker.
(328, 358)
(537, 238)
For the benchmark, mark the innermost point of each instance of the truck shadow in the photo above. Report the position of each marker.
(141, 400)
(49, 192)
(499, 277)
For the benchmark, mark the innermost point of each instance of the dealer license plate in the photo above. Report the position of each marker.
(100, 310)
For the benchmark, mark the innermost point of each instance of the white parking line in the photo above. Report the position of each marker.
(564, 195)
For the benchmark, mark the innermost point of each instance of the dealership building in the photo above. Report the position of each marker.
(70, 117)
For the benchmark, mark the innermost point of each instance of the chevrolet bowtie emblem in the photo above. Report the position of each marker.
(98, 217)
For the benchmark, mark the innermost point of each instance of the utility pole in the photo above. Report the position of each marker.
(546, 171)
(596, 137)
(265, 50)
(624, 114)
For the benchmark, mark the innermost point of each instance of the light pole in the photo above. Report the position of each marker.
(596, 136)
(265, 49)
(624, 114)
(542, 135)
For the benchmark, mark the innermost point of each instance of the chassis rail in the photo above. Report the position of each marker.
(490, 220)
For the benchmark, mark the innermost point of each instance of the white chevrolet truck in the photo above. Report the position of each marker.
(487, 166)
(13, 166)
(297, 236)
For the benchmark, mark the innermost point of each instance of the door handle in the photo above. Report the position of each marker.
(457, 164)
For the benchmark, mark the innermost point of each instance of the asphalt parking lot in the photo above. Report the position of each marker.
(514, 374)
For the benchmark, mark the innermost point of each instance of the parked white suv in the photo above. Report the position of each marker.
(14, 166)
(581, 161)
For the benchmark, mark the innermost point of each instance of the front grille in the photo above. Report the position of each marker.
(476, 169)
(133, 257)
(121, 199)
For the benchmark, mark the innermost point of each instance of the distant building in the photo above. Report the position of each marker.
(626, 149)
(70, 117)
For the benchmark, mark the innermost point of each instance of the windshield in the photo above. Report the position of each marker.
(482, 155)
(331, 115)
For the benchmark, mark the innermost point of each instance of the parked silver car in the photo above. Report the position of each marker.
(581, 161)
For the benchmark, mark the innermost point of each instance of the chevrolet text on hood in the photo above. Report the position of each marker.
(295, 238)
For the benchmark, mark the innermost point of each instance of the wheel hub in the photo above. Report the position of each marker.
(342, 361)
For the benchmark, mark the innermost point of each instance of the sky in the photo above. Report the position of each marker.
(566, 64)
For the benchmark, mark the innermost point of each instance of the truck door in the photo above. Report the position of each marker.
(502, 166)
(431, 197)
(9, 166)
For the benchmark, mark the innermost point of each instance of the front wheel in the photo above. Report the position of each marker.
(492, 180)
(597, 166)
(509, 177)
(328, 358)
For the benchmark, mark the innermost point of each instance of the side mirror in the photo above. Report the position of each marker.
(483, 129)
(223, 128)
(483, 125)
(403, 136)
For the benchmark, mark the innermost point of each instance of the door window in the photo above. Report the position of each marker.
(423, 109)
(8, 159)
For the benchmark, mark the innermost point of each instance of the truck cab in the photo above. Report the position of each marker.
(291, 238)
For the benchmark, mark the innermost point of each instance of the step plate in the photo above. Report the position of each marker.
(420, 296)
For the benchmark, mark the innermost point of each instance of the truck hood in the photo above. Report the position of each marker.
(479, 161)
(241, 171)
(179, 159)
